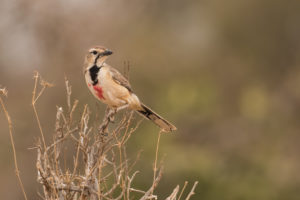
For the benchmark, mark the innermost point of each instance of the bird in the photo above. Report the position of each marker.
(110, 87)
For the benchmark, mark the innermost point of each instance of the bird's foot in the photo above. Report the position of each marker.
(111, 114)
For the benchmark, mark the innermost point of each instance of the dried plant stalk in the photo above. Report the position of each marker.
(100, 169)
(10, 129)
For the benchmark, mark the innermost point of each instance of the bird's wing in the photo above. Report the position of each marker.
(119, 78)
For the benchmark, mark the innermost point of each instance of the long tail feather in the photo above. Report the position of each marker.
(156, 119)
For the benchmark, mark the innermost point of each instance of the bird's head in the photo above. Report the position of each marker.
(97, 56)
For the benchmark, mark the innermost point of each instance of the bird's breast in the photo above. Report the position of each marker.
(98, 91)
(105, 89)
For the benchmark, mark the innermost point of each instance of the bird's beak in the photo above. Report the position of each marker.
(107, 52)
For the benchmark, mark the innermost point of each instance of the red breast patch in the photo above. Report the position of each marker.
(99, 91)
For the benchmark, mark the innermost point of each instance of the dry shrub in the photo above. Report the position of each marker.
(100, 168)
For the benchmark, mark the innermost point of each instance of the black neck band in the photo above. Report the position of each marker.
(94, 73)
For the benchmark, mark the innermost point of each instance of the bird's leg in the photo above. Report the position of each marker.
(111, 113)
(109, 117)
(122, 107)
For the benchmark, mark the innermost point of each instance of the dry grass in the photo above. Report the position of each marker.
(100, 168)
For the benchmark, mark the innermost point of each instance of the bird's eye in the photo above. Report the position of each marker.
(94, 52)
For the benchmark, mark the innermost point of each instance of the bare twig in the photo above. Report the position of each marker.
(156, 157)
(173, 194)
(10, 128)
(185, 184)
(35, 97)
(192, 191)
(154, 184)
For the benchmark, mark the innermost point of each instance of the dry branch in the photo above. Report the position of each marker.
(100, 169)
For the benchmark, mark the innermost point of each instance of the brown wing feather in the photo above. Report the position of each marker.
(120, 79)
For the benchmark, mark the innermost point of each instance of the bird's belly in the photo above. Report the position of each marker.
(113, 93)
(108, 94)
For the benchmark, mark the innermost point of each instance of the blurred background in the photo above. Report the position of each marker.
(227, 73)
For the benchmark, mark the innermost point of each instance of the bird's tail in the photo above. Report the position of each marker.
(156, 119)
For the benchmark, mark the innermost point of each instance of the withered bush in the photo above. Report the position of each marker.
(100, 168)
